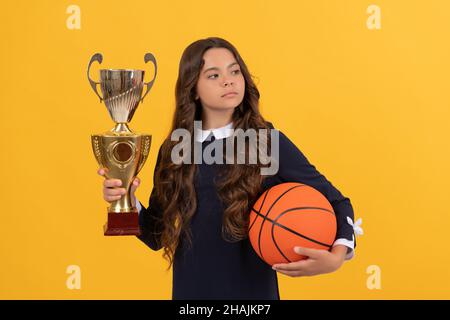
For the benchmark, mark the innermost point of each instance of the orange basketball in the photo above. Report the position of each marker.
(287, 215)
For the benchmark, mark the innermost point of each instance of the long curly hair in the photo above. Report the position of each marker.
(238, 184)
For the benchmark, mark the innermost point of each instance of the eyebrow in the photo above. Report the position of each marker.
(215, 68)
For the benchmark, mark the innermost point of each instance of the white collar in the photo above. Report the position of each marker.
(219, 133)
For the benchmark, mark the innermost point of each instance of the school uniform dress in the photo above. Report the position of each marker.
(214, 268)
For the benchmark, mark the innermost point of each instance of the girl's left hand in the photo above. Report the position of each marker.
(318, 262)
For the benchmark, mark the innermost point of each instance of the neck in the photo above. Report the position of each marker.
(212, 119)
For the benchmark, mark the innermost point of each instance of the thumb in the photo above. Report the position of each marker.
(135, 184)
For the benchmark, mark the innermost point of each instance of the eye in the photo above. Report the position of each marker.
(237, 71)
(212, 75)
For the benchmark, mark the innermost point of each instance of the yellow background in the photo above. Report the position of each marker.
(369, 108)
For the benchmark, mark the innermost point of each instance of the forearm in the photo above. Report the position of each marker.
(339, 251)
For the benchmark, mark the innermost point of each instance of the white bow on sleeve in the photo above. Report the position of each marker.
(356, 226)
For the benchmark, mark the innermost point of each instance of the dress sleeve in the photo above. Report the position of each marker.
(295, 167)
(150, 219)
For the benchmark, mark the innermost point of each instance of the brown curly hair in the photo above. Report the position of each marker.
(239, 185)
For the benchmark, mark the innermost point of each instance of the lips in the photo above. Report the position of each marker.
(229, 94)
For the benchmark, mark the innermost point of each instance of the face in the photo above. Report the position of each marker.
(221, 84)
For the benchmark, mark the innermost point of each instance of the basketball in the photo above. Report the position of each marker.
(287, 215)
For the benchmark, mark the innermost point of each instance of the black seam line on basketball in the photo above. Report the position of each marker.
(268, 211)
(290, 209)
(262, 204)
(276, 245)
(293, 231)
(274, 222)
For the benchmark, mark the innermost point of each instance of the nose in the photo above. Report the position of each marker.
(227, 82)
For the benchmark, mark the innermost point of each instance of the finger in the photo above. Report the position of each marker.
(293, 266)
(102, 171)
(292, 273)
(111, 183)
(136, 181)
(114, 192)
(135, 185)
(112, 198)
(311, 253)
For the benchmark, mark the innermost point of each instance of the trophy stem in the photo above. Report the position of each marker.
(121, 127)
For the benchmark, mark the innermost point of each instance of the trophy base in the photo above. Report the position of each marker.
(122, 224)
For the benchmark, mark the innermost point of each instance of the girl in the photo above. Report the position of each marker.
(198, 213)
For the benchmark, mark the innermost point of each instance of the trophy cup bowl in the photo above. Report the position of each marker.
(121, 151)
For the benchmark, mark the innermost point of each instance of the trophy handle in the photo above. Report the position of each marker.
(96, 141)
(146, 143)
(96, 57)
(149, 57)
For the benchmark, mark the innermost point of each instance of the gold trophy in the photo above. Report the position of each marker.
(121, 151)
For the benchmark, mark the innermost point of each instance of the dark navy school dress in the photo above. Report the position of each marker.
(214, 268)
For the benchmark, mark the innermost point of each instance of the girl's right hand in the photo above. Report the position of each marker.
(111, 187)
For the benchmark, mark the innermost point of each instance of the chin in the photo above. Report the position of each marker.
(226, 106)
(232, 104)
